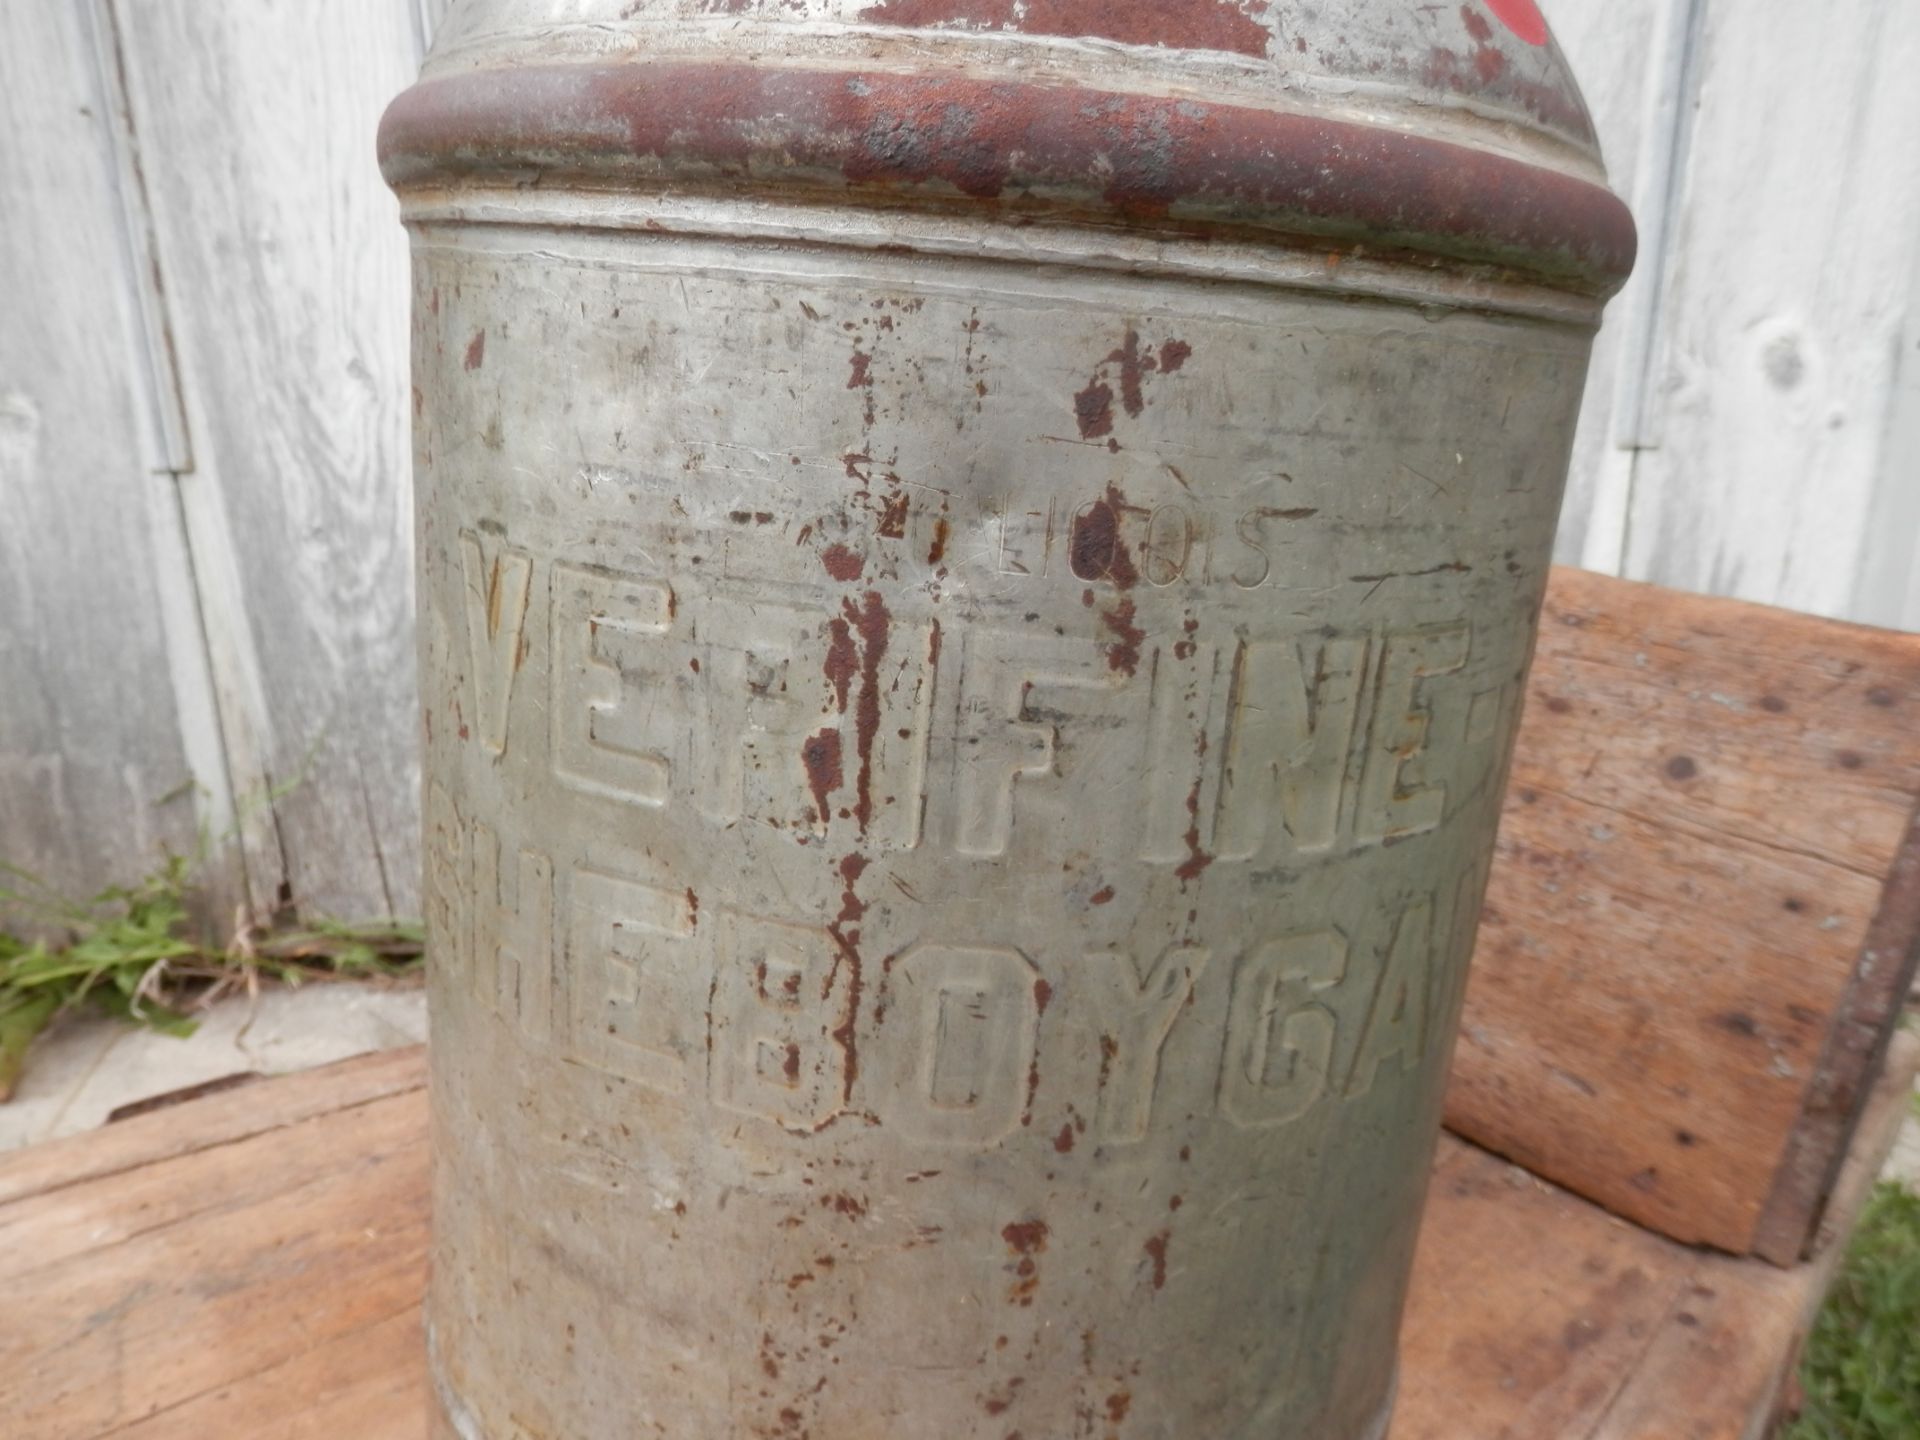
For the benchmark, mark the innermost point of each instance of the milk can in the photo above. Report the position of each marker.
(977, 564)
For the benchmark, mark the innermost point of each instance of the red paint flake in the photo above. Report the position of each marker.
(843, 659)
(862, 375)
(1173, 355)
(1123, 656)
(1102, 896)
(1118, 1404)
(1026, 1237)
(1095, 550)
(1523, 18)
(893, 518)
(871, 620)
(1063, 1142)
(1093, 410)
(942, 532)
(792, 1065)
(1197, 859)
(1042, 995)
(1187, 24)
(1476, 24)
(477, 350)
(822, 756)
(843, 564)
(1156, 1249)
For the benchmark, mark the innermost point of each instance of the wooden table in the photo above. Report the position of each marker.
(1704, 918)
(248, 1267)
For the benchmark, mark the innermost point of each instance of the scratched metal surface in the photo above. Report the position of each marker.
(962, 758)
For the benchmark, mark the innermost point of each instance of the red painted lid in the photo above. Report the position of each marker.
(1449, 131)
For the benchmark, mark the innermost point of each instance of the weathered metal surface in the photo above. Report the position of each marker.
(967, 698)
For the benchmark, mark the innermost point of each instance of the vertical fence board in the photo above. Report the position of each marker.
(286, 270)
(95, 772)
(1787, 297)
(1620, 53)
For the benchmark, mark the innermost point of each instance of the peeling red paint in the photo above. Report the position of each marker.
(1188, 24)
(1026, 1237)
(1156, 1248)
(1063, 1142)
(1095, 549)
(1093, 411)
(1102, 896)
(843, 659)
(1173, 355)
(872, 621)
(862, 375)
(1523, 18)
(1042, 995)
(937, 550)
(843, 564)
(477, 350)
(1197, 859)
(1026, 147)
(821, 754)
(1123, 656)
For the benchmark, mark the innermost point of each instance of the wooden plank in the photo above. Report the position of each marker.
(1783, 318)
(1629, 57)
(286, 270)
(217, 1120)
(97, 773)
(292, 1313)
(188, 1293)
(1690, 953)
(1537, 1316)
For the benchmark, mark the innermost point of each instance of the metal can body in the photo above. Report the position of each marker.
(961, 770)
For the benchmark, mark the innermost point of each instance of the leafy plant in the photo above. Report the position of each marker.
(1861, 1374)
(134, 953)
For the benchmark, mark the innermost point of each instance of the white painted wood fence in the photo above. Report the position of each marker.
(205, 585)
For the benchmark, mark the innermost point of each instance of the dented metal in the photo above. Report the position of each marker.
(978, 561)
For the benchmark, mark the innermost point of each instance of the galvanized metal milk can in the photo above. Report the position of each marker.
(978, 559)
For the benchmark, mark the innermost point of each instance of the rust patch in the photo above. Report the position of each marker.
(477, 350)
(1156, 1248)
(1187, 24)
(1042, 995)
(1123, 656)
(1093, 410)
(862, 375)
(1118, 1404)
(1102, 896)
(893, 518)
(1063, 1142)
(843, 564)
(871, 620)
(843, 660)
(1197, 861)
(937, 550)
(822, 756)
(1026, 1237)
(1095, 549)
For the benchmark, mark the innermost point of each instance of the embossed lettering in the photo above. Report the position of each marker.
(1011, 712)
(633, 972)
(1291, 725)
(496, 593)
(780, 1027)
(1394, 800)
(1136, 1016)
(605, 740)
(1396, 1023)
(973, 1022)
(513, 934)
(1282, 1029)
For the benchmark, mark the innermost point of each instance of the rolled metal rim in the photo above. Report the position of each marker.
(1017, 150)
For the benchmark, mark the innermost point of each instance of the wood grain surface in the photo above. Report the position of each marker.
(250, 1265)
(1691, 954)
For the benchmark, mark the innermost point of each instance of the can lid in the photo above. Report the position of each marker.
(1449, 132)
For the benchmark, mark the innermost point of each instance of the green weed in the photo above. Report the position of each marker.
(1861, 1374)
(135, 953)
